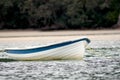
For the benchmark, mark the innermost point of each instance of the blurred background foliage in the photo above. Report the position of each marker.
(58, 14)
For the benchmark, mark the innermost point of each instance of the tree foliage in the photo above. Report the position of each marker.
(73, 14)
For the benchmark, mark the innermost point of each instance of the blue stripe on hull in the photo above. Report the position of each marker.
(40, 49)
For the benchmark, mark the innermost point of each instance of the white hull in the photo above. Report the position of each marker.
(74, 51)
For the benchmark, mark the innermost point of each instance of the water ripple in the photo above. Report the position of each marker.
(101, 63)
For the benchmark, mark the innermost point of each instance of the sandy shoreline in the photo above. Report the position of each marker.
(58, 35)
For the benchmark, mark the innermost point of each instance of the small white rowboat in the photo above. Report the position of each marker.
(74, 50)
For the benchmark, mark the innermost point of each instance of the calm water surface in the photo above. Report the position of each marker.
(101, 62)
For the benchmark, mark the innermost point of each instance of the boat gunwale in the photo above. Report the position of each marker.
(44, 48)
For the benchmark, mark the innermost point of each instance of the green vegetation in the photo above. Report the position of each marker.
(6, 60)
(58, 14)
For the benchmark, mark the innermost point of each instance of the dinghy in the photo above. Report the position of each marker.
(73, 49)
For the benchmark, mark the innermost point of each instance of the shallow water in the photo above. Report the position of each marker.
(102, 62)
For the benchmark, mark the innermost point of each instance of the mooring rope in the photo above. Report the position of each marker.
(91, 51)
